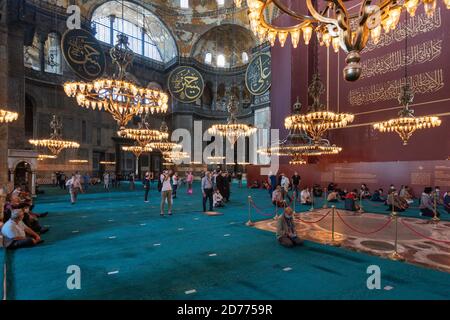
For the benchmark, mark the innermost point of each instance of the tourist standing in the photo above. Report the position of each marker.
(166, 192)
(175, 181)
(146, 183)
(207, 191)
(189, 180)
(106, 181)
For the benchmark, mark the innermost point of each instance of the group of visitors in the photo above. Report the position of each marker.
(20, 226)
(216, 188)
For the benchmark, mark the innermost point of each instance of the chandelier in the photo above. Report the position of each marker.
(216, 159)
(143, 135)
(318, 120)
(108, 163)
(406, 124)
(42, 157)
(121, 98)
(335, 25)
(78, 161)
(55, 143)
(8, 116)
(173, 156)
(232, 130)
(165, 145)
(297, 160)
(137, 150)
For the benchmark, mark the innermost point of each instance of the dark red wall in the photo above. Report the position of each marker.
(417, 174)
(291, 69)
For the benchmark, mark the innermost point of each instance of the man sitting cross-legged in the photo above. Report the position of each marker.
(16, 234)
(286, 233)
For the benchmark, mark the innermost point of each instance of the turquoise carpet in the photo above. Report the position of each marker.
(127, 251)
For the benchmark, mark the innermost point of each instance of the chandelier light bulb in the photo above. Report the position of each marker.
(282, 36)
(429, 7)
(307, 33)
(295, 38)
(375, 34)
(336, 44)
(272, 36)
(411, 6)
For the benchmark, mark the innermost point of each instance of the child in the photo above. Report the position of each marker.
(217, 199)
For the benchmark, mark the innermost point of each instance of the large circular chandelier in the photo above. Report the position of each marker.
(8, 116)
(118, 96)
(318, 120)
(43, 157)
(55, 143)
(165, 145)
(232, 130)
(143, 135)
(173, 156)
(335, 25)
(137, 150)
(406, 124)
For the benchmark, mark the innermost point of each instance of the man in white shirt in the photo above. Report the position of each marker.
(166, 192)
(16, 234)
(305, 196)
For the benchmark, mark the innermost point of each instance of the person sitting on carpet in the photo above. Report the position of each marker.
(364, 191)
(255, 185)
(317, 190)
(305, 197)
(377, 196)
(31, 220)
(217, 199)
(286, 233)
(447, 201)
(350, 201)
(405, 195)
(277, 198)
(395, 203)
(333, 196)
(16, 234)
(427, 203)
(331, 187)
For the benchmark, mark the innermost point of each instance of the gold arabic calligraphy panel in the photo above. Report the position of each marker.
(258, 77)
(83, 54)
(186, 84)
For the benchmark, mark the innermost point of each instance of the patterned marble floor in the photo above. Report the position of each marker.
(419, 242)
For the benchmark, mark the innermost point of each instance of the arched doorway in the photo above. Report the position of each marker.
(23, 175)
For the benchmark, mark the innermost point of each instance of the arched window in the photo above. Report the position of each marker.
(221, 61)
(52, 54)
(208, 58)
(147, 35)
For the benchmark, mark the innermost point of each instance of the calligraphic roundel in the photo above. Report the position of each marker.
(258, 76)
(186, 84)
(83, 53)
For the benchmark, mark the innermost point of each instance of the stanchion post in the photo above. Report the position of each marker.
(361, 210)
(395, 255)
(275, 217)
(333, 240)
(435, 218)
(312, 200)
(325, 192)
(249, 223)
(295, 199)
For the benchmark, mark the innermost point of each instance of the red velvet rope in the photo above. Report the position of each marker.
(362, 232)
(323, 217)
(422, 235)
(259, 211)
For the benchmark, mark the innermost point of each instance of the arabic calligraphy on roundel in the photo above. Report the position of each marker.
(82, 52)
(258, 75)
(186, 84)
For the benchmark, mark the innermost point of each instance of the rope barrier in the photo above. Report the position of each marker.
(259, 211)
(421, 234)
(362, 232)
(317, 221)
